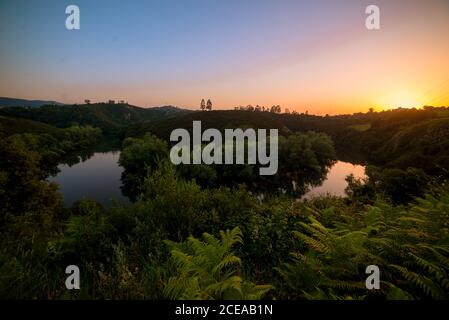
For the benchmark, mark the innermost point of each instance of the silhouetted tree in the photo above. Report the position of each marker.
(275, 109)
(209, 105)
(203, 104)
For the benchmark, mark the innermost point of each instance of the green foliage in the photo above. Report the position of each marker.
(26, 200)
(138, 154)
(13, 125)
(304, 158)
(408, 244)
(219, 119)
(87, 234)
(138, 157)
(360, 127)
(164, 194)
(401, 186)
(397, 219)
(52, 144)
(210, 270)
(415, 145)
(112, 119)
(305, 152)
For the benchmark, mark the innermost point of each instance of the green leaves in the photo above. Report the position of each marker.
(409, 244)
(209, 269)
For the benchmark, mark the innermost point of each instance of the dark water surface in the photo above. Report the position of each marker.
(98, 178)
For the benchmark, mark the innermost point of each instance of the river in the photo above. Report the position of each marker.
(98, 178)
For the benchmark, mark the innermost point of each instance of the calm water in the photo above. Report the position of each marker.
(335, 183)
(98, 178)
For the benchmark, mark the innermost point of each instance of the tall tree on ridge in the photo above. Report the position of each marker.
(203, 104)
(209, 105)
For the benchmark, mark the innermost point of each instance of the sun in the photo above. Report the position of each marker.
(402, 99)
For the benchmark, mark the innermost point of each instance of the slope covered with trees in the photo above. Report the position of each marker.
(220, 119)
(397, 138)
(204, 232)
(112, 119)
(14, 102)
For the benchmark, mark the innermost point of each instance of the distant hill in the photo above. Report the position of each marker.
(424, 145)
(219, 119)
(111, 118)
(395, 138)
(13, 102)
(399, 138)
(13, 125)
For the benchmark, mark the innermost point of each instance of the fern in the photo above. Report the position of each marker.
(424, 283)
(209, 269)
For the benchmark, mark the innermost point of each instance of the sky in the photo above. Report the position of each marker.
(303, 55)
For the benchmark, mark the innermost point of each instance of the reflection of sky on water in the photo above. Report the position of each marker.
(335, 183)
(97, 178)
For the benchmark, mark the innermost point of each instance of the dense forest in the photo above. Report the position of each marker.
(205, 232)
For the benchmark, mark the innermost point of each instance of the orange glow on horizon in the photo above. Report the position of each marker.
(401, 99)
(324, 61)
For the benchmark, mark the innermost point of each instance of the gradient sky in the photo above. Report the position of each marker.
(304, 55)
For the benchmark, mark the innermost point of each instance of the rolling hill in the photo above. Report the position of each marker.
(219, 119)
(14, 102)
(110, 118)
(13, 125)
(396, 138)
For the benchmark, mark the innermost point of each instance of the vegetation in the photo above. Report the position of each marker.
(112, 119)
(203, 232)
(207, 270)
(303, 159)
(52, 144)
(405, 242)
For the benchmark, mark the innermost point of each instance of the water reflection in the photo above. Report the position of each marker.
(95, 177)
(335, 183)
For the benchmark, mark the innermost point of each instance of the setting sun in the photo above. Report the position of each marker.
(401, 99)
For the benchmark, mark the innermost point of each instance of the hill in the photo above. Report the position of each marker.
(395, 138)
(398, 138)
(110, 118)
(424, 145)
(220, 119)
(14, 102)
(13, 125)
